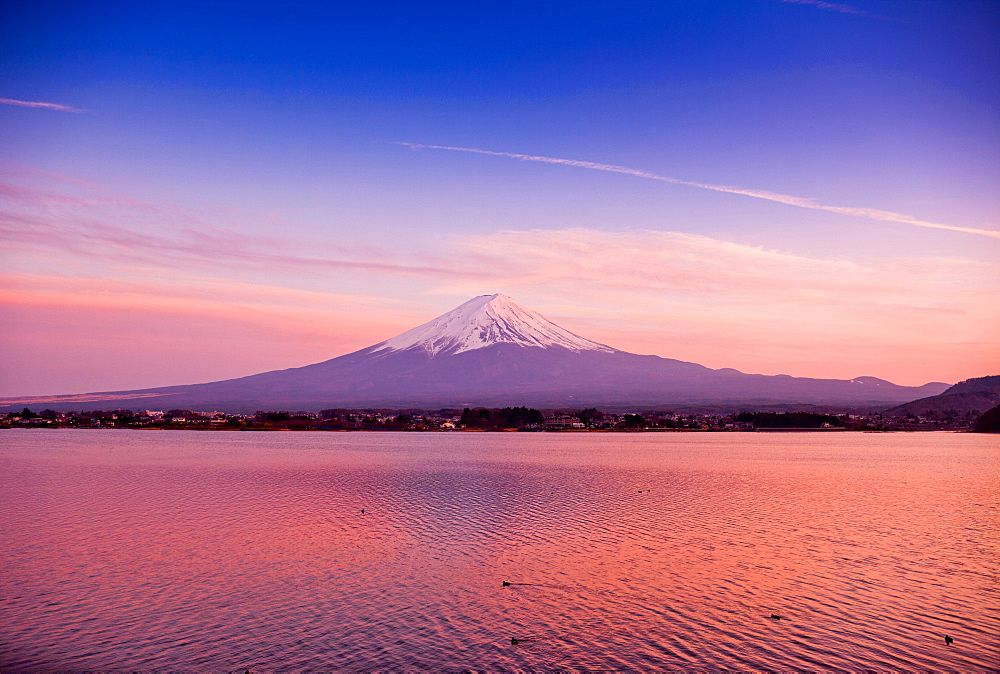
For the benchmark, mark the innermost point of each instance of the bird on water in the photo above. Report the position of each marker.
(774, 616)
(505, 583)
(948, 639)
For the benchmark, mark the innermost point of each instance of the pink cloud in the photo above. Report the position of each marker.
(83, 230)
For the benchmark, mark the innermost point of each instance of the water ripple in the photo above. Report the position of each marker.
(186, 550)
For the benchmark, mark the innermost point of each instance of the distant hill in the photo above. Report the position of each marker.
(969, 398)
(493, 352)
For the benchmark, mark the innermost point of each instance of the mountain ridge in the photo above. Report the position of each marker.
(492, 351)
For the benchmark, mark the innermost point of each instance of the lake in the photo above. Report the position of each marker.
(234, 550)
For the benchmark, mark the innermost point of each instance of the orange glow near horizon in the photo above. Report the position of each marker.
(74, 342)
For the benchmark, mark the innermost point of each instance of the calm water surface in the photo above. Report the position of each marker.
(225, 551)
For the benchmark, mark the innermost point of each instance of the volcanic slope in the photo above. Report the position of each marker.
(493, 351)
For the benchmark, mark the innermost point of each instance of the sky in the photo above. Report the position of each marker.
(197, 191)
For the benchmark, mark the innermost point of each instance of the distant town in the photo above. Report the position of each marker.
(485, 419)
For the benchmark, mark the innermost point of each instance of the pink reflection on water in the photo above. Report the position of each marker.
(226, 551)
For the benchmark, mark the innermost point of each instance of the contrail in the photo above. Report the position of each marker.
(801, 202)
(39, 104)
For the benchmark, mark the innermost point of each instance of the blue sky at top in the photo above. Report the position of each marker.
(769, 94)
(282, 120)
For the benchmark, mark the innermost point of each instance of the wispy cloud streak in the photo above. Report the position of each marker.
(835, 7)
(40, 104)
(801, 202)
(84, 237)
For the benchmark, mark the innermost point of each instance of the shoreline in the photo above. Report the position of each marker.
(583, 431)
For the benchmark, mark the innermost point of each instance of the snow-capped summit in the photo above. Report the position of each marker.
(484, 321)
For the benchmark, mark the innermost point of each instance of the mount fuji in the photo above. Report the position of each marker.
(492, 351)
